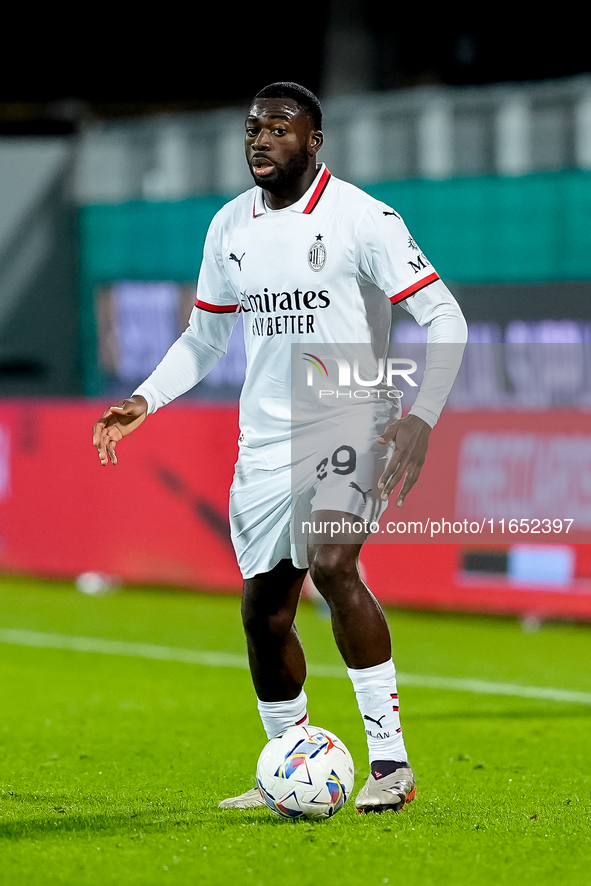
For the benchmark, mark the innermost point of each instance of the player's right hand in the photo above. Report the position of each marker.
(115, 423)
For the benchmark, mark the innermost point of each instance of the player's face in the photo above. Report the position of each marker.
(281, 143)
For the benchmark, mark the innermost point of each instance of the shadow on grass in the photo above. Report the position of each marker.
(29, 816)
(31, 828)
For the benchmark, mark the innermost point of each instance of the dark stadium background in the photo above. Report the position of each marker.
(115, 63)
(68, 76)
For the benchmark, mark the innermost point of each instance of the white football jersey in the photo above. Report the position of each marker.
(322, 270)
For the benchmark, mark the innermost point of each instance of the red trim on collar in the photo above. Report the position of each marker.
(318, 192)
(310, 205)
(420, 284)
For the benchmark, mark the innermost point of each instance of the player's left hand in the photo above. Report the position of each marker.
(411, 439)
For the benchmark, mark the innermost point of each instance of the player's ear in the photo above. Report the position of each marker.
(316, 141)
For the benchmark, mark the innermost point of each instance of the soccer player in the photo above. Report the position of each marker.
(308, 259)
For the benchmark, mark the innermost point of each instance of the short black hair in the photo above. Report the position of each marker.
(306, 100)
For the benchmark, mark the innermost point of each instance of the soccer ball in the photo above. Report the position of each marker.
(305, 772)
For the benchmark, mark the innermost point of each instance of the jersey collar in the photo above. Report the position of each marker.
(306, 204)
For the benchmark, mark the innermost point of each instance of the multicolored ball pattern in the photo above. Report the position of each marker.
(305, 772)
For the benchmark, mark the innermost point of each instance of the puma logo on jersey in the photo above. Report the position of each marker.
(359, 489)
(237, 260)
(391, 213)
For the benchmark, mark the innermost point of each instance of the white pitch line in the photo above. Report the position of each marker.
(227, 660)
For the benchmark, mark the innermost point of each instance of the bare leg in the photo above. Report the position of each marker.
(358, 622)
(275, 654)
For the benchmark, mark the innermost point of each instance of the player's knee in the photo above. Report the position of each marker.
(331, 566)
(259, 623)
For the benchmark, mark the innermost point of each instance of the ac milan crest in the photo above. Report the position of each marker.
(317, 254)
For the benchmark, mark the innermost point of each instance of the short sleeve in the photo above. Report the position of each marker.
(215, 292)
(388, 256)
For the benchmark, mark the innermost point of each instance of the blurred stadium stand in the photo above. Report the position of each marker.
(494, 181)
(428, 132)
(39, 317)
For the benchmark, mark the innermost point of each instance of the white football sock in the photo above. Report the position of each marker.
(377, 697)
(280, 715)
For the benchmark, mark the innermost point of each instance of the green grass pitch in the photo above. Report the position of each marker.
(113, 765)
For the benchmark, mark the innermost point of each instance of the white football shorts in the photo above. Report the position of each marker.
(272, 510)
